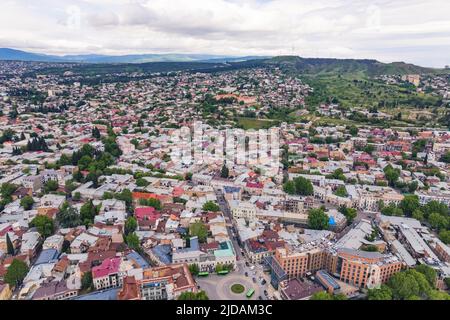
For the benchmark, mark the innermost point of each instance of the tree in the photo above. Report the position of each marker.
(435, 206)
(438, 221)
(210, 206)
(16, 272)
(444, 235)
(418, 215)
(141, 182)
(44, 225)
(6, 191)
(318, 220)
(130, 225)
(88, 212)
(96, 133)
(299, 186)
(68, 216)
(383, 293)
(429, 273)
(341, 191)
(446, 157)
(413, 186)
(289, 187)
(438, 295)
(353, 131)
(198, 229)
(126, 196)
(86, 281)
(337, 174)
(201, 295)
(322, 295)
(447, 282)
(303, 187)
(224, 173)
(155, 203)
(194, 269)
(50, 186)
(9, 245)
(409, 203)
(392, 210)
(132, 241)
(349, 213)
(70, 186)
(27, 202)
(391, 174)
(340, 296)
(76, 196)
(409, 284)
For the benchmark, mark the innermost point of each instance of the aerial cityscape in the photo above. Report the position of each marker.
(253, 175)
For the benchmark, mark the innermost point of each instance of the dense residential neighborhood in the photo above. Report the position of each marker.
(98, 200)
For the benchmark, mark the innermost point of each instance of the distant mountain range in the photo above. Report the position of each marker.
(101, 64)
(18, 55)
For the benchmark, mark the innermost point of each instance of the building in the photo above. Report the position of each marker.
(54, 290)
(107, 274)
(54, 242)
(241, 209)
(206, 260)
(366, 269)
(298, 289)
(130, 290)
(5, 291)
(296, 263)
(166, 283)
(442, 250)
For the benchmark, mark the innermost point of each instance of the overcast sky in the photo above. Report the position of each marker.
(414, 31)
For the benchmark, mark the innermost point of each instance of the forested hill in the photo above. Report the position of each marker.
(345, 66)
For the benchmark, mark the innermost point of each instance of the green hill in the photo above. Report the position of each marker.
(347, 66)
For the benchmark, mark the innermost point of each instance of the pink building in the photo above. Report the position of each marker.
(107, 274)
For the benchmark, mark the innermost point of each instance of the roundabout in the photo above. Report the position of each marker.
(237, 288)
(227, 287)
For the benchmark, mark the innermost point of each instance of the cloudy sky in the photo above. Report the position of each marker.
(414, 31)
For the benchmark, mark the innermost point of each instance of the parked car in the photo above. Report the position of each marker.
(254, 279)
(246, 274)
(263, 282)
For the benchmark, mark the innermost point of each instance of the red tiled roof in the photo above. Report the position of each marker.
(144, 195)
(108, 266)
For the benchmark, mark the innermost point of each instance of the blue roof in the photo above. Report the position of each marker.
(46, 256)
(194, 245)
(138, 259)
(182, 230)
(325, 277)
(109, 294)
(163, 252)
(332, 222)
(229, 189)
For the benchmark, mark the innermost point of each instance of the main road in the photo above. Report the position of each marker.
(219, 287)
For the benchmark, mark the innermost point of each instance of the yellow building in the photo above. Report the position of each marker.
(5, 292)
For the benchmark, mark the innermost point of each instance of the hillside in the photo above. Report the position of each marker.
(347, 66)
